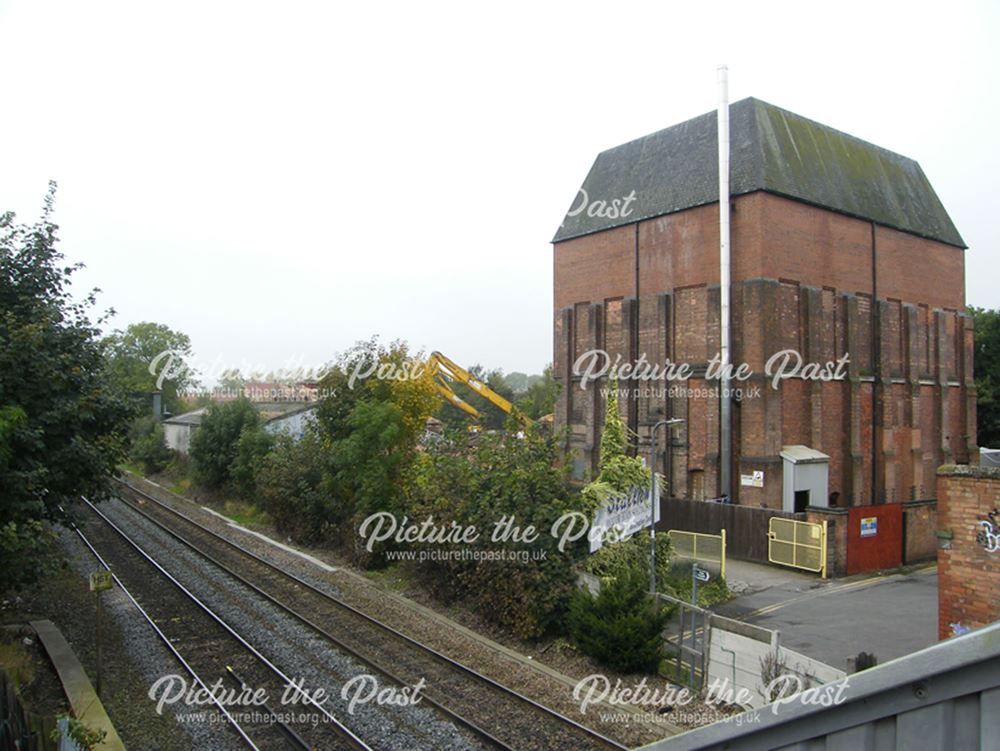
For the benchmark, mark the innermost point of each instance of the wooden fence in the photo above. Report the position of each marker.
(746, 526)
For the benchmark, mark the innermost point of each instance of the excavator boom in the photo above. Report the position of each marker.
(449, 370)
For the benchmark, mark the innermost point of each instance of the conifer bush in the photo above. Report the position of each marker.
(620, 628)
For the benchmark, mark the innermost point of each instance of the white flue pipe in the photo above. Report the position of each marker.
(725, 407)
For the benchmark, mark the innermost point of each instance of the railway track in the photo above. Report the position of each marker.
(497, 714)
(218, 659)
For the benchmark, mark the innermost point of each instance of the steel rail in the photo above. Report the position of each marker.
(344, 731)
(477, 676)
(163, 637)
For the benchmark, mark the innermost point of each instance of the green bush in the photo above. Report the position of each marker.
(372, 425)
(291, 488)
(620, 628)
(213, 445)
(26, 553)
(678, 579)
(147, 446)
(615, 558)
(253, 445)
(498, 475)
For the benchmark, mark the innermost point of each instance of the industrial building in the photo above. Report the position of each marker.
(840, 251)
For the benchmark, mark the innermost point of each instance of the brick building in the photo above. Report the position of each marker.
(839, 247)
(969, 548)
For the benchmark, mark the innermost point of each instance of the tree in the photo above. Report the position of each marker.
(253, 445)
(620, 627)
(618, 472)
(614, 437)
(214, 443)
(986, 370)
(499, 475)
(291, 484)
(147, 444)
(232, 382)
(539, 398)
(62, 426)
(148, 357)
(371, 423)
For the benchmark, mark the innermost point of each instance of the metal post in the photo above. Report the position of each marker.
(694, 619)
(654, 498)
(97, 686)
(725, 406)
(723, 555)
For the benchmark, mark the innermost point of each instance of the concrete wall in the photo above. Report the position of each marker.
(804, 278)
(178, 437)
(735, 655)
(969, 551)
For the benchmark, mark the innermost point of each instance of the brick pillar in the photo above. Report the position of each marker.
(855, 487)
(592, 403)
(968, 552)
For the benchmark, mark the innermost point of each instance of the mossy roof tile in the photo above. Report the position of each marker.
(771, 149)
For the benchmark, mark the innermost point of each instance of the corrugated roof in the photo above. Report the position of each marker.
(771, 149)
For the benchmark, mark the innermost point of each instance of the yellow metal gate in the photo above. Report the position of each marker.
(699, 547)
(798, 544)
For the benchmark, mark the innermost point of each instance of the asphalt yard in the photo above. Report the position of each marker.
(890, 614)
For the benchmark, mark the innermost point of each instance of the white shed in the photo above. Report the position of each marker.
(805, 478)
(177, 430)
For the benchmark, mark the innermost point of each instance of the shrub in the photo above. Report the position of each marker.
(253, 445)
(498, 475)
(213, 445)
(147, 445)
(373, 425)
(615, 558)
(678, 579)
(26, 553)
(291, 488)
(620, 628)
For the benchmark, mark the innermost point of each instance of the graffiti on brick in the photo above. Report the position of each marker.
(989, 532)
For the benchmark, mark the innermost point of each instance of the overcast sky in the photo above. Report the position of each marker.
(278, 180)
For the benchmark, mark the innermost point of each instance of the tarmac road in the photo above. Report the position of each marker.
(890, 615)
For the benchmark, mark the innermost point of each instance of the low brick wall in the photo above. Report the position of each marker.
(836, 536)
(920, 520)
(968, 548)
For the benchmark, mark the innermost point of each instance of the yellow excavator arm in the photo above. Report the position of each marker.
(449, 370)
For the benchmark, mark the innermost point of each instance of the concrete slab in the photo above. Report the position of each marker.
(746, 576)
(87, 707)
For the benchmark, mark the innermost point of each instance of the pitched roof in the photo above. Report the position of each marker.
(193, 417)
(773, 150)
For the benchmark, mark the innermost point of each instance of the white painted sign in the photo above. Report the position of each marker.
(755, 480)
(989, 532)
(622, 516)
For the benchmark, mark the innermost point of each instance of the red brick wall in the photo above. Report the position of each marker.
(968, 575)
(595, 267)
(802, 279)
